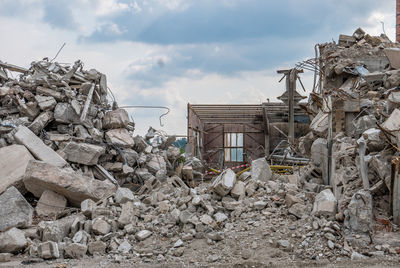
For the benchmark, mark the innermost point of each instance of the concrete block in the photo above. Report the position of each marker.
(15, 211)
(123, 195)
(48, 250)
(325, 203)
(12, 171)
(100, 226)
(83, 153)
(75, 251)
(12, 241)
(224, 183)
(119, 137)
(65, 113)
(45, 102)
(87, 207)
(97, 247)
(36, 146)
(118, 118)
(156, 163)
(239, 190)
(50, 203)
(142, 235)
(76, 188)
(260, 170)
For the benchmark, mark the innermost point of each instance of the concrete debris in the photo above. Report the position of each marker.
(224, 183)
(76, 188)
(139, 199)
(83, 153)
(48, 250)
(116, 119)
(12, 171)
(260, 170)
(12, 241)
(38, 149)
(50, 203)
(325, 204)
(15, 211)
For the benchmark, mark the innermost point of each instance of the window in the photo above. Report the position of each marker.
(233, 147)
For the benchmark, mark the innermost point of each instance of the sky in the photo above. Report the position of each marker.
(174, 52)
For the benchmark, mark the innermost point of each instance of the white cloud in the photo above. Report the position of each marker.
(107, 7)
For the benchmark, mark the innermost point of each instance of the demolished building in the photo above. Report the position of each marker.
(76, 182)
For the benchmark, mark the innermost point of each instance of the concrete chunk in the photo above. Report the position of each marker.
(12, 171)
(83, 153)
(36, 146)
(142, 235)
(224, 182)
(325, 203)
(45, 102)
(260, 170)
(50, 203)
(41, 176)
(116, 119)
(12, 241)
(123, 195)
(48, 250)
(97, 247)
(15, 211)
(75, 251)
(392, 124)
(41, 121)
(64, 113)
(239, 190)
(156, 163)
(87, 207)
(100, 226)
(119, 137)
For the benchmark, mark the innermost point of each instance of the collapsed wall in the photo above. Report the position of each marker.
(355, 127)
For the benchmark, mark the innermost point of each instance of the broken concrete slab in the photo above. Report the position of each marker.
(50, 203)
(75, 251)
(41, 122)
(76, 188)
(239, 190)
(224, 183)
(12, 241)
(118, 118)
(36, 146)
(58, 229)
(319, 125)
(260, 170)
(45, 102)
(359, 216)
(393, 55)
(156, 163)
(83, 153)
(123, 195)
(87, 207)
(392, 124)
(15, 211)
(12, 171)
(65, 113)
(119, 137)
(325, 204)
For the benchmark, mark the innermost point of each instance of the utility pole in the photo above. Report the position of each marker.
(291, 78)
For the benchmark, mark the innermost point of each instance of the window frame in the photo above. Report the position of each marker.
(233, 143)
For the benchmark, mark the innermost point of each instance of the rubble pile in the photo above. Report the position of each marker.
(356, 121)
(161, 221)
(76, 183)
